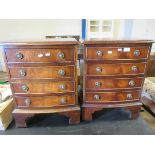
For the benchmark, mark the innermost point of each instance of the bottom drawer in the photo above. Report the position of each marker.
(45, 101)
(112, 97)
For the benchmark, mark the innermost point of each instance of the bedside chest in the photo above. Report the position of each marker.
(43, 77)
(114, 72)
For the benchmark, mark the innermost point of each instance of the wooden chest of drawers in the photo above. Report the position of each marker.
(114, 72)
(43, 77)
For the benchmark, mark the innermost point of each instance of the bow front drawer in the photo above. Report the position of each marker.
(63, 72)
(46, 101)
(34, 87)
(115, 69)
(40, 55)
(114, 97)
(116, 83)
(112, 53)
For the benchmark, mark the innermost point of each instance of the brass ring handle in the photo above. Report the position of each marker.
(22, 72)
(61, 72)
(25, 88)
(136, 52)
(27, 102)
(63, 100)
(99, 53)
(131, 83)
(98, 69)
(61, 55)
(134, 68)
(129, 96)
(98, 84)
(19, 56)
(62, 87)
(97, 97)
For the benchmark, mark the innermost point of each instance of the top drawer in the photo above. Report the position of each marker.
(111, 53)
(40, 55)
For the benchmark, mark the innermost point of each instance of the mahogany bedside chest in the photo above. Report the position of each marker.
(114, 72)
(43, 77)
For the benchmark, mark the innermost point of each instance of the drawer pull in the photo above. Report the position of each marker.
(61, 72)
(27, 102)
(62, 87)
(25, 88)
(63, 100)
(22, 72)
(96, 97)
(129, 96)
(98, 84)
(19, 56)
(98, 69)
(131, 83)
(136, 52)
(99, 53)
(134, 68)
(61, 55)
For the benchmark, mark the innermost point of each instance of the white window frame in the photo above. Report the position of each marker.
(99, 34)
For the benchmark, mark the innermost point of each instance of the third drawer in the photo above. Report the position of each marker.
(35, 87)
(113, 83)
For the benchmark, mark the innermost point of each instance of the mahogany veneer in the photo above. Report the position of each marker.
(113, 53)
(35, 55)
(115, 69)
(43, 77)
(43, 87)
(113, 83)
(46, 101)
(114, 72)
(48, 72)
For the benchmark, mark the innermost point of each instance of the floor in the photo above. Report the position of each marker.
(107, 122)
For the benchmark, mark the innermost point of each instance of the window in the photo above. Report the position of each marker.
(94, 26)
(100, 28)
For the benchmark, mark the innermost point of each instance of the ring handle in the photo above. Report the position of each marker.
(19, 56)
(27, 102)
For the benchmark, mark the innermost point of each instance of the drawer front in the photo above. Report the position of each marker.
(115, 69)
(43, 87)
(100, 53)
(118, 83)
(108, 97)
(46, 101)
(42, 72)
(40, 55)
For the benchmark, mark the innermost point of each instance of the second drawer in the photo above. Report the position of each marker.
(115, 69)
(47, 72)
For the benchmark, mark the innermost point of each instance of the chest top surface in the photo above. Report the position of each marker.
(51, 42)
(116, 41)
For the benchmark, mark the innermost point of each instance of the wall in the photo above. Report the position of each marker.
(38, 29)
(22, 29)
(119, 28)
(144, 29)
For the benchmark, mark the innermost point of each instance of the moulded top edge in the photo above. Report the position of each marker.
(116, 41)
